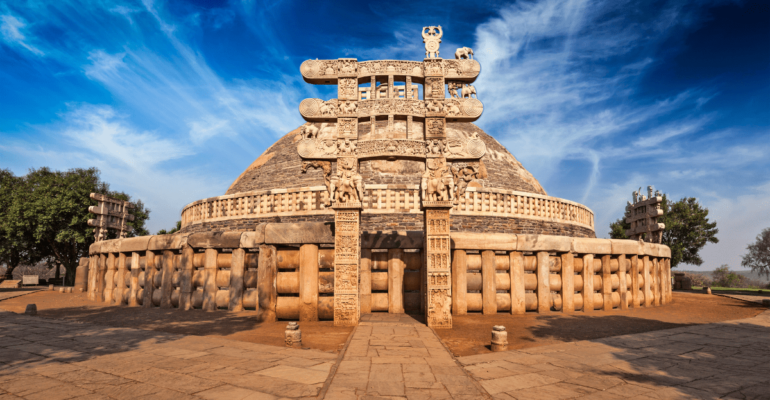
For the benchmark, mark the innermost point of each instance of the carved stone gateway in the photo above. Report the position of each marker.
(450, 163)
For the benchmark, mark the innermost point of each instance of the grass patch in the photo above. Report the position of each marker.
(742, 290)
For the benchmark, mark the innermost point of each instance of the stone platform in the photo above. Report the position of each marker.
(388, 356)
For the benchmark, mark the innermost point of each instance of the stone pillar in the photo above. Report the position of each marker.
(149, 278)
(166, 286)
(209, 280)
(134, 289)
(656, 282)
(396, 267)
(635, 281)
(488, 284)
(93, 267)
(669, 289)
(120, 286)
(347, 245)
(366, 281)
(101, 277)
(459, 283)
(437, 252)
(518, 293)
(109, 279)
(308, 282)
(267, 271)
(408, 87)
(588, 283)
(607, 282)
(185, 278)
(567, 283)
(623, 288)
(646, 275)
(543, 282)
(391, 90)
(237, 266)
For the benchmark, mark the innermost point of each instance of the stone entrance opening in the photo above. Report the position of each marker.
(397, 284)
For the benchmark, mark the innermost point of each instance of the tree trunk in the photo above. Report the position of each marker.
(57, 274)
(69, 275)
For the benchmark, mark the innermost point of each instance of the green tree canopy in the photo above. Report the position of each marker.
(47, 217)
(687, 231)
(758, 257)
(173, 230)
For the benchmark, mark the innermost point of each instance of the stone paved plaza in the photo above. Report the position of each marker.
(388, 356)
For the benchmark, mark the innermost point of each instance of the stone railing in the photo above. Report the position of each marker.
(387, 199)
(519, 273)
(264, 269)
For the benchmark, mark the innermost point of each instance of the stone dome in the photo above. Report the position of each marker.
(280, 166)
(505, 198)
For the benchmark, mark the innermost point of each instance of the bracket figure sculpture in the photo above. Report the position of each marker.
(432, 40)
(467, 91)
(326, 166)
(348, 185)
(437, 181)
(309, 131)
(464, 53)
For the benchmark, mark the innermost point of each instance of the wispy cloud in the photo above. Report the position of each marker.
(12, 29)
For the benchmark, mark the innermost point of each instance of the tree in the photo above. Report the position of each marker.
(16, 242)
(173, 230)
(687, 229)
(723, 277)
(50, 210)
(758, 257)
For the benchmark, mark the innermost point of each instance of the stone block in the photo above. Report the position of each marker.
(300, 232)
(663, 250)
(591, 246)
(168, 242)
(138, 243)
(543, 243)
(215, 240)
(110, 246)
(625, 246)
(392, 240)
(252, 240)
(95, 248)
(484, 241)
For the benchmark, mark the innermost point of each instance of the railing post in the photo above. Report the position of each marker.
(623, 288)
(488, 286)
(366, 281)
(185, 278)
(588, 283)
(646, 276)
(166, 286)
(308, 282)
(543, 282)
(567, 283)
(149, 278)
(109, 279)
(134, 288)
(607, 282)
(518, 293)
(120, 286)
(210, 280)
(267, 296)
(395, 281)
(459, 283)
(635, 281)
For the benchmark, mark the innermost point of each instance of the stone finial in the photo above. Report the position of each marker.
(293, 335)
(499, 338)
(431, 36)
(31, 309)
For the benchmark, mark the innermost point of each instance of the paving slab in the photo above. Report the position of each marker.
(726, 359)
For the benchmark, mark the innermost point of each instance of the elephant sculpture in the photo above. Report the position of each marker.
(437, 183)
(326, 109)
(469, 90)
(435, 107)
(464, 53)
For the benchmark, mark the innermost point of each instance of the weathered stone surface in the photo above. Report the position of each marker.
(252, 239)
(392, 240)
(484, 241)
(591, 246)
(168, 242)
(215, 240)
(624, 246)
(298, 233)
(543, 243)
(138, 243)
(110, 246)
(95, 248)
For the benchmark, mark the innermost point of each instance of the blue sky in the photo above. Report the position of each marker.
(172, 100)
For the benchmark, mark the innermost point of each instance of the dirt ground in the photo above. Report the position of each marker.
(240, 326)
(471, 334)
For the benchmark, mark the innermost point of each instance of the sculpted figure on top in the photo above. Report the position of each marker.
(464, 53)
(432, 40)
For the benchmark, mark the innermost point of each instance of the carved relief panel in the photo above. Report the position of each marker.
(434, 88)
(347, 128)
(347, 89)
(346, 258)
(438, 272)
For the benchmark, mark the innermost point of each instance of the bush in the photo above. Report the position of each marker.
(723, 277)
(698, 279)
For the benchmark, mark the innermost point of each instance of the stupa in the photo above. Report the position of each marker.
(388, 198)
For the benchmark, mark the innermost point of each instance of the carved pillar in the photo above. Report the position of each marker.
(408, 87)
(459, 283)
(109, 279)
(134, 283)
(373, 96)
(347, 245)
(437, 253)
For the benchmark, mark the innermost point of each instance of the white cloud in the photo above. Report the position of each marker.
(12, 29)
